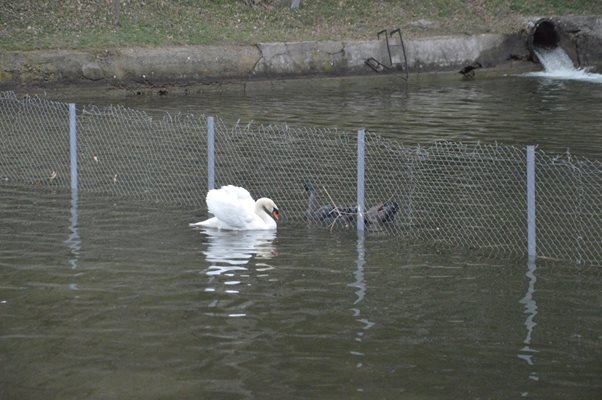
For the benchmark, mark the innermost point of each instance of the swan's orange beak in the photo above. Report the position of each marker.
(275, 214)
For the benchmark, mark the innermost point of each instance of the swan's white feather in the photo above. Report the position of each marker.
(234, 209)
(232, 204)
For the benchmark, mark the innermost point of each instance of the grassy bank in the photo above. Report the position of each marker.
(39, 24)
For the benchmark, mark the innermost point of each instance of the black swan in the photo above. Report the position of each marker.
(382, 213)
(329, 214)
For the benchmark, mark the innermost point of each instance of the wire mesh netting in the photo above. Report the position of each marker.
(33, 148)
(471, 195)
(130, 153)
(569, 208)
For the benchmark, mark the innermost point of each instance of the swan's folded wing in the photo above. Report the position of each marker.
(232, 206)
(237, 192)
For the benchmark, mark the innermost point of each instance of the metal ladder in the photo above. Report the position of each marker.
(379, 66)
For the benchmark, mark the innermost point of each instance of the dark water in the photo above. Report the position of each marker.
(141, 306)
(121, 299)
(508, 108)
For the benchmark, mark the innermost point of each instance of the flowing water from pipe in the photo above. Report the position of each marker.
(558, 65)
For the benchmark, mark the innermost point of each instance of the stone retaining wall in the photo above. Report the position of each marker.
(125, 67)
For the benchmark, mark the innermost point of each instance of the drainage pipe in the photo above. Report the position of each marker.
(544, 35)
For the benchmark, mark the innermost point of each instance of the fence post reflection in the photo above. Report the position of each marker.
(526, 353)
(360, 292)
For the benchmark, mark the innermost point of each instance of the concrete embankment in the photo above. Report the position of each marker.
(127, 67)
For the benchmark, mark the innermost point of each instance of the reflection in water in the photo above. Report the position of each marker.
(526, 353)
(236, 248)
(229, 252)
(73, 241)
(360, 285)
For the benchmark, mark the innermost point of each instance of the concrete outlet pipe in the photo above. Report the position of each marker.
(544, 35)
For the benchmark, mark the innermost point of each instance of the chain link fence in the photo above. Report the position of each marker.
(454, 194)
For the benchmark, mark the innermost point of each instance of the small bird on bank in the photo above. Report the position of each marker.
(468, 71)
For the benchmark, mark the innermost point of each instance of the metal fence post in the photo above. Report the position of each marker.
(361, 141)
(531, 218)
(73, 146)
(73, 241)
(210, 153)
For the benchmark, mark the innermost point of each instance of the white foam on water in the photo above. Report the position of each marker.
(558, 65)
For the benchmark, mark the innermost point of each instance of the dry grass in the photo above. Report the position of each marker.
(33, 24)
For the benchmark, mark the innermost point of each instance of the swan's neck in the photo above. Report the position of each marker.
(261, 211)
(312, 203)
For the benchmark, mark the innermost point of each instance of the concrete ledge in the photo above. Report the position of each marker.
(131, 67)
(193, 64)
(127, 66)
(454, 51)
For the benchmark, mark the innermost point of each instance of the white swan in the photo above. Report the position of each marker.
(234, 209)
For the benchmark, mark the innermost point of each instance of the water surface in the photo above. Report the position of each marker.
(117, 298)
(141, 306)
(507, 108)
